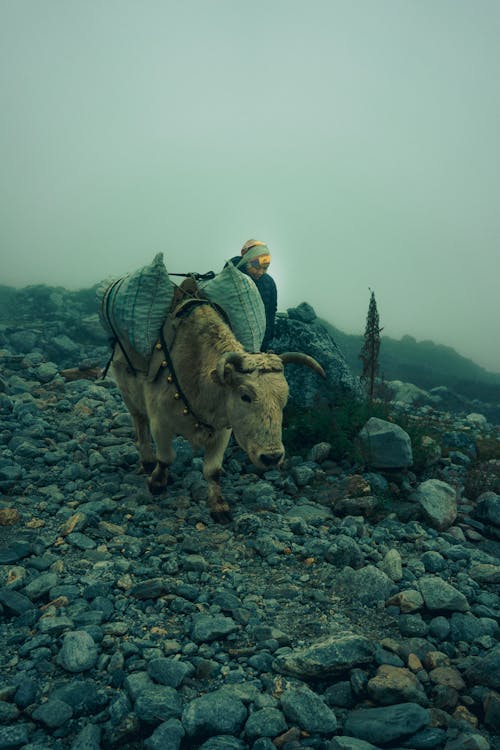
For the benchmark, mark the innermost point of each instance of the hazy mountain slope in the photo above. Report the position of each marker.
(424, 363)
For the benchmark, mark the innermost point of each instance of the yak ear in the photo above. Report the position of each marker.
(226, 366)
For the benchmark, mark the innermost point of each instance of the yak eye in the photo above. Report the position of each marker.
(246, 398)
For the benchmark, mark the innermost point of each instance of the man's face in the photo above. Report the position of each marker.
(255, 273)
(258, 267)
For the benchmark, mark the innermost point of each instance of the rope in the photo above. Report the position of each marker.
(171, 368)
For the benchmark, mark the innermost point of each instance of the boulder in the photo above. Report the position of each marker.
(410, 394)
(385, 445)
(298, 330)
(438, 501)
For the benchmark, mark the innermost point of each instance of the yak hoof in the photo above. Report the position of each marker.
(222, 516)
(147, 467)
(156, 489)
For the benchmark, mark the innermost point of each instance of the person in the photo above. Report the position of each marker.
(254, 260)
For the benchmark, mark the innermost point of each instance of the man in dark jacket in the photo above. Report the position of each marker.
(254, 262)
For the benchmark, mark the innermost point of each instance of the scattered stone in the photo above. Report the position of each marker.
(79, 652)
(214, 713)
(438, 501)
(386, 724)
(265, 722)
(208, 628)
(335, 595)
(54, 713)
(330, 656)
(440, 595)
(385, 445)
(303, 707)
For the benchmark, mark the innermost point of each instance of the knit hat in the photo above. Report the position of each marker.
(256, 248)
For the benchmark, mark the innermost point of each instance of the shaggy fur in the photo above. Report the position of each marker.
(226, 388)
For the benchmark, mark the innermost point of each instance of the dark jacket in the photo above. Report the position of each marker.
(269, 294)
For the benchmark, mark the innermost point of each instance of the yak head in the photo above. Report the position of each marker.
(256, 394)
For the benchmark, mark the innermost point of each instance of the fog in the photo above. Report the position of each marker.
(360, 139)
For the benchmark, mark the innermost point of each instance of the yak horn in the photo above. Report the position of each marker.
(229, 358)
(299, 358)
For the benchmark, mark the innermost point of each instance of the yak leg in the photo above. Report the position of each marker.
(165, 456)
(212, 467)
(143, 440)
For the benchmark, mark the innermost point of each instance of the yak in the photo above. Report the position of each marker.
(201, 383)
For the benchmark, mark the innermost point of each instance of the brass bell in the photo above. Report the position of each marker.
(158, 346)
(164, 363)
(185, 411)
(169, 378)
(177, 396)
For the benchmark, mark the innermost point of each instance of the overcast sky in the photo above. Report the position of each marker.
(359, 138)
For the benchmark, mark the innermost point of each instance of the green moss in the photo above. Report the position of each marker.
(337, 424)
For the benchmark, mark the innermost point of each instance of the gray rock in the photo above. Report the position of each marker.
(485, 573)
(169, 672)
(79, 652)
(158, 703)
(149, 589)
(350, 743)
(167, 736)
(385, 445)
(485, 670)
(40, 586)
(84, 696)
(329, 656)
(208, 628)
(214, 713)
(63, 346)
(14, 602)
(10, 471)
(136, 682)
(264, 743)
(468, 628)
(13, 736)
(440, 595)
(309, 513)
(488, 508)
(88, 738)
(433, 562)
(409, 394)
(54, 713)
(308, 710)
(439, 627)
(386, 724)
(477, 420)
(438, 501)
(82, 541)
(468, 740)
(345, 551)
(319, 452)
(459, 440)
(224, 742)
(304, 312)
(392, 565)
(367, 585)
(302, 475)
(54, 625)
(265, 722)
(395, 685)
(313, 339)
(9, 712)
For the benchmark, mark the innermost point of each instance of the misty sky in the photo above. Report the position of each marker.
(359, 138)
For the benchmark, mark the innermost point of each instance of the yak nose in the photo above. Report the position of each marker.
(272, 459)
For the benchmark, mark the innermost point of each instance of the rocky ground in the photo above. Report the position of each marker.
(345, 608)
